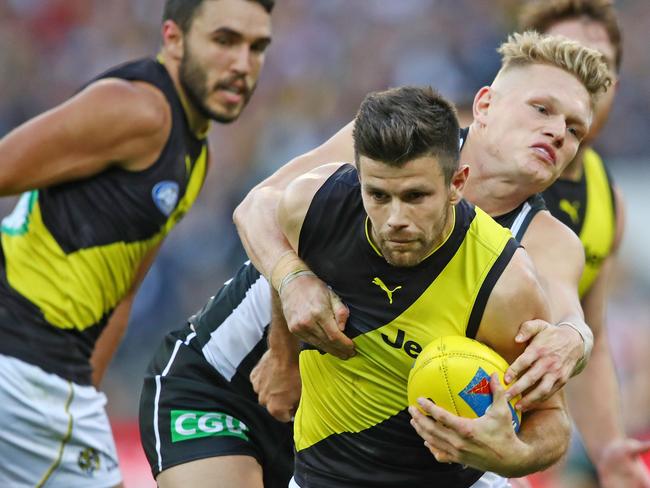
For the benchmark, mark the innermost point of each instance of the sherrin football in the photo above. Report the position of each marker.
(454, 373)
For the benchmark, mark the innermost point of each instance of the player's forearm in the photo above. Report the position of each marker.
(597, 411)
(282, 343)
(260, 234)
(109, 340)
(255, 217)
(545, 434)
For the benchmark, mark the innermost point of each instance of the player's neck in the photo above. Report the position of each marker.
(488, 188)
(573, 171)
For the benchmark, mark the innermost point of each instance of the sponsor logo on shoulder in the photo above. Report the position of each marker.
(193, 424)
(165, 196)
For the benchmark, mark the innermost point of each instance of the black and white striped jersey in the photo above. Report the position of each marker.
(231, 328)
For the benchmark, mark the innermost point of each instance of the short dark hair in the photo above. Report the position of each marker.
(542, 15)
(182, 11)
(402, 124)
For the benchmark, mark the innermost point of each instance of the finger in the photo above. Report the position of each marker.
(519, 366)
(639, 447)
(498, 392)
(542, 392)
(282, 414)
(336, 342)
(341, 312)
(529, 329)
(430, 431)
(441, 456)
(445, 419)
(254, 375)
(532, 377)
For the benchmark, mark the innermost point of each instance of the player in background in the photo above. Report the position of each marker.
(104, 177)
(586, 199)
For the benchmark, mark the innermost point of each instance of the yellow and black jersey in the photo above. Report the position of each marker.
(70, 251)
(588, 207)
(352, 428)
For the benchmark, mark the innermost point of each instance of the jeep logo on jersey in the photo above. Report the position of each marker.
(192, 424)
(165, 196)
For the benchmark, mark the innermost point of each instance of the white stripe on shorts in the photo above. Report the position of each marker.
(488, 480)
(158, 389)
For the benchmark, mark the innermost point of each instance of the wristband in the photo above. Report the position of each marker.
(286, 263)
(292, 276)
(587, 345)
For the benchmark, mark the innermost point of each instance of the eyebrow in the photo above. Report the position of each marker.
(573, 118)
(234, 33)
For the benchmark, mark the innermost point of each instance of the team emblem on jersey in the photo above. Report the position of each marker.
(165, 196)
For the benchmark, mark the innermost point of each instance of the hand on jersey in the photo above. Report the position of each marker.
(488, 443)
(277, 384)
(620, 465)
(547, 363)
(316, 315)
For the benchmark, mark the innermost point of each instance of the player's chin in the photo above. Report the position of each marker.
(225, 116)
(226, 113)
(403, 259)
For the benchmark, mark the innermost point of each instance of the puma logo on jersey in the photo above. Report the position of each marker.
(571, 209)
(380, 284)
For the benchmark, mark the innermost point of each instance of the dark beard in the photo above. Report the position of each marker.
(194, 82)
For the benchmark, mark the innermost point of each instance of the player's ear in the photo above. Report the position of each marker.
(173, 38)
(482, 101)
(457, 184)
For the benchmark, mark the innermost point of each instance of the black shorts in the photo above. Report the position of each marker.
(188, 411)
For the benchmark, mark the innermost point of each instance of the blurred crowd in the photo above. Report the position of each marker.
(325, 56)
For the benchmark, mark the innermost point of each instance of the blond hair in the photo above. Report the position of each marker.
(588, 65)
(541, 15)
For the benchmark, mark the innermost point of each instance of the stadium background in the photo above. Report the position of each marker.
(326, 54)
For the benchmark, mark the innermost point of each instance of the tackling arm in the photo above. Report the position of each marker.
(314, 315)
(554, 352)
(255, 217)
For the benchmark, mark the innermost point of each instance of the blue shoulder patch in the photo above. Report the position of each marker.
(165, 196)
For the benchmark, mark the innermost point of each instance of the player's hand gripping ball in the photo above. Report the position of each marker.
(454, 373)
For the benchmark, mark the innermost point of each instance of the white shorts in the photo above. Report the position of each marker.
(488, 480)
(54, 433)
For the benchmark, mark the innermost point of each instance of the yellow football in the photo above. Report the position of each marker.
(454, 373)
